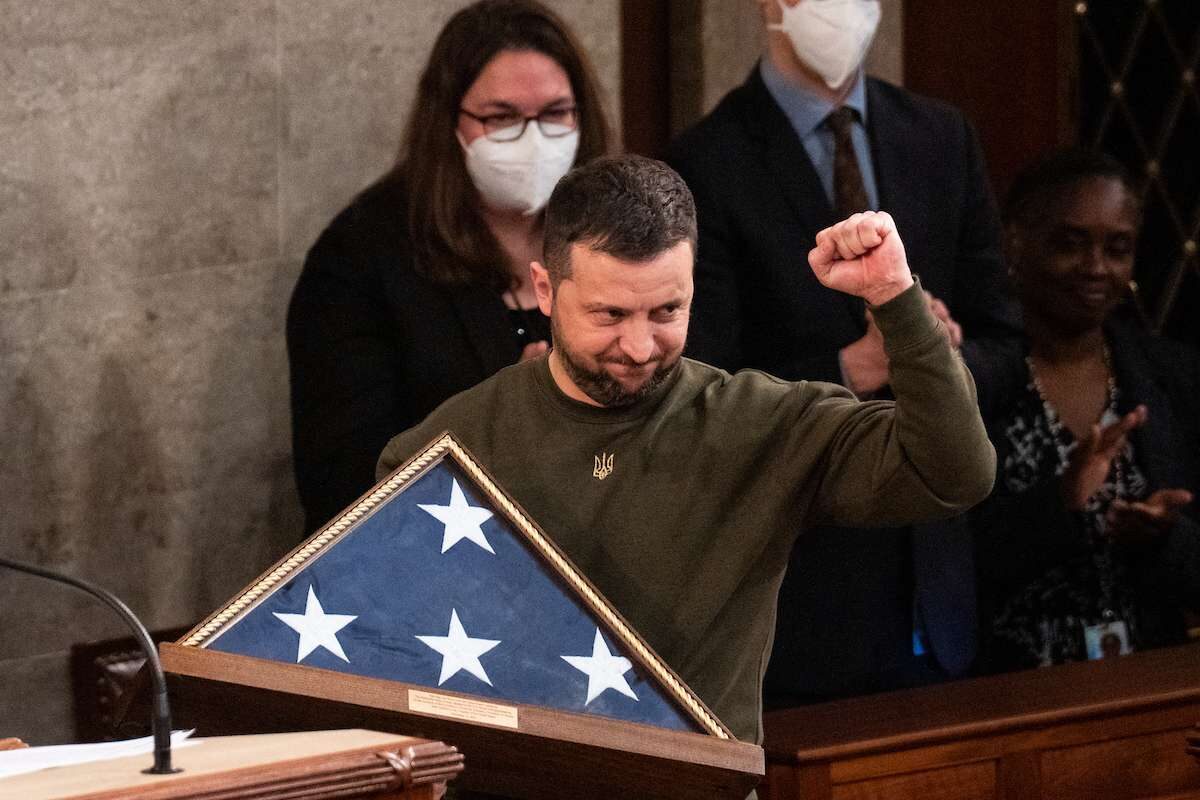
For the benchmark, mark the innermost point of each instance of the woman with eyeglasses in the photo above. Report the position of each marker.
(420, 289)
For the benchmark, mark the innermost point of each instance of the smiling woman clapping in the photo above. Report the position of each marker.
(1090, 546)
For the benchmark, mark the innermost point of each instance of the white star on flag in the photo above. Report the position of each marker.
(604, 670)
(316, 628)
(460, 651)
(462, 520)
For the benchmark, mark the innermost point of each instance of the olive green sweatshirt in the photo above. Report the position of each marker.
(712, 478)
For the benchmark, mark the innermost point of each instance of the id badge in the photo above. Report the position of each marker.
(1107, 640)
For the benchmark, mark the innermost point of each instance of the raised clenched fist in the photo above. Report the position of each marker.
(862, 256)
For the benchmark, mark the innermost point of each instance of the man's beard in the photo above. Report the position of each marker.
(601, 386)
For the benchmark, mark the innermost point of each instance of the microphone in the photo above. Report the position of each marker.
(161, 721)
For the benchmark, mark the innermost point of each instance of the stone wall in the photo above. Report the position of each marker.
(165, 166)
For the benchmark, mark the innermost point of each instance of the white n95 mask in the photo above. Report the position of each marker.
(830, 36)
(520, 175)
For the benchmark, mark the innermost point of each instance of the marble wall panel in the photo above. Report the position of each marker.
(350, 70)
(148, 448)
(36, 702)
(886, 57)
(140, 139)
(732, 39)
(598, 24)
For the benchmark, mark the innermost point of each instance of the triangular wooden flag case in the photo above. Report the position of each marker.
(435, 607)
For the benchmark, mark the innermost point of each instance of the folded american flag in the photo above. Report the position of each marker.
(437, 588)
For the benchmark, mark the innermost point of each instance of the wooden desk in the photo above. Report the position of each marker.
(319, 765)
(1110, 729)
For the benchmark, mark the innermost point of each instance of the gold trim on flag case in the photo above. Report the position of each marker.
(208, 630)
(336, 529)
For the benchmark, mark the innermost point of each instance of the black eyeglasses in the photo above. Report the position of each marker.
(510, 126)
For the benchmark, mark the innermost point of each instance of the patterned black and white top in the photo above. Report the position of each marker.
(1043, 623)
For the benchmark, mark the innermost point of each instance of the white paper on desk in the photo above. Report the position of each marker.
(32, 759)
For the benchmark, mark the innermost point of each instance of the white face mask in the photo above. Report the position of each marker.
(830, 36)
(520, 175)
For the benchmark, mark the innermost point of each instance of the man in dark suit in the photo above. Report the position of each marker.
(806, 139)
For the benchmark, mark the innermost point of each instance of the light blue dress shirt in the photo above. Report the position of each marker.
(807, 112)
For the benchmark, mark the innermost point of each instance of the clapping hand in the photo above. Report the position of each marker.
(1137, 524)
(1093, 456)
(864, 362)
(953, 330)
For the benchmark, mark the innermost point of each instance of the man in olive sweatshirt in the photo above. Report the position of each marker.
(676, 487)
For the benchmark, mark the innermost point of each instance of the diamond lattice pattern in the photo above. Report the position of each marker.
(1139, 101)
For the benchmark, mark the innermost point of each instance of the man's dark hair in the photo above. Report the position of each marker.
(1039, 188)
(629, 207)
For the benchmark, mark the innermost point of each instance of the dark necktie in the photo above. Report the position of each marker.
(849, 194)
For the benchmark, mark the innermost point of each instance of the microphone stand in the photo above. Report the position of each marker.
(161, 721)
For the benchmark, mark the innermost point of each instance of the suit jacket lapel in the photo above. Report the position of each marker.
(786, 158)
(886, 132)
(788, 163)
(901, 179)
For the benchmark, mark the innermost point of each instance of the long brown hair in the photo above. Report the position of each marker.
(452, 243)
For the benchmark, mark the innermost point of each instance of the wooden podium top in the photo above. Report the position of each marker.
(318, 764)
(515, 750)
(983, 706)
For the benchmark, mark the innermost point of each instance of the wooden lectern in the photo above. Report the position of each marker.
(320, 765)
(512, 750)
(541, 728)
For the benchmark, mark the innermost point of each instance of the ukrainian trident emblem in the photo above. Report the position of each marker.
(604, 466)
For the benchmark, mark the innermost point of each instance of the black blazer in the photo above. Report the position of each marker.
(760, 205)
(373, 347)
(846, 605)
(1019, 537)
